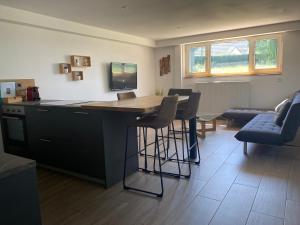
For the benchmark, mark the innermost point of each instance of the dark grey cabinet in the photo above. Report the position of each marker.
(19, 204)
(67, 138)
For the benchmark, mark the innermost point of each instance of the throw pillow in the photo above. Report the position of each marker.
(280, 105)
(282, 113)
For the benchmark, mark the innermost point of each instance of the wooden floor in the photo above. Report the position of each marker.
(227, 188)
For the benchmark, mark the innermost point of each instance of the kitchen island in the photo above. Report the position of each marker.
(86, 139)
(19, 203)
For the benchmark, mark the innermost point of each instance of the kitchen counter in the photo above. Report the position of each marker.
(87, 139)
(61, 103)
(135, 105)
(10, 164)
(19, 203)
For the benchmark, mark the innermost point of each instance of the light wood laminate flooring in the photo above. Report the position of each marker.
(228, 187)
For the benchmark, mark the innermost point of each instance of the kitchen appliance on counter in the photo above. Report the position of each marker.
(33, 94)
(14, 130)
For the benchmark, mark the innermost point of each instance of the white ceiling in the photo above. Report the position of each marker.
(162, 19)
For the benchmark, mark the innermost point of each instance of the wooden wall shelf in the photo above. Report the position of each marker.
(80, 61)
(76, 61)
(65, 68)
(77, 75)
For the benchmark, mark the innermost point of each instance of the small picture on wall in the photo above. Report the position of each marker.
(165, 66)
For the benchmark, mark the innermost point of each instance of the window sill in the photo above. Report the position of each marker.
(233, 75)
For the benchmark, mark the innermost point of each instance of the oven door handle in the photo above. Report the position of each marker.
(42, 110)
(82, 113)
(11, 117)
(45, 140)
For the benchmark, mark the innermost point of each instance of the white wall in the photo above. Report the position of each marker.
(166, 81)
(268, 90)
(34, 52)
(265, 91)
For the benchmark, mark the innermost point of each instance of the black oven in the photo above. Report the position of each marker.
(14, 130)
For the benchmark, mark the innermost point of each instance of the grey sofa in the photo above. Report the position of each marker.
(262, 129)
(243, 115)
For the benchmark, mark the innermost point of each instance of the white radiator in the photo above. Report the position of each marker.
(217, 97)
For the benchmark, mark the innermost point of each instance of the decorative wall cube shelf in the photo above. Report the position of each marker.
(80, 61)
(77, 75)
(77, 62)
(65, 68)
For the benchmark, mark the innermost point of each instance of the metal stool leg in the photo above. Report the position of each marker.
(188, 150)
(163, 142)
(176, 175)
(198, 150)
(168, 141)
(139, 138)
(145, 149)
(159, 162)
(176, 150)
(144, 134)
(160, 173)
(182, 139)
(165, 150)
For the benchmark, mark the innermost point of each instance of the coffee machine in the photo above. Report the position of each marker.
(33, 94)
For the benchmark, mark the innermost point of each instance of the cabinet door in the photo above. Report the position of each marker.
(46, 152)
(45, 136)
(41, 122)
(84, 129)
(67, 138)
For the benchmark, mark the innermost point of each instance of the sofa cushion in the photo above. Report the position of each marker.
(245, 114)
(261, 129)
(282, 113)
(292, 120)
(280, 105)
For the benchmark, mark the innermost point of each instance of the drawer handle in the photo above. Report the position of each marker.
(11, 117)
(42, 110)
(83, 113)
(45, 140)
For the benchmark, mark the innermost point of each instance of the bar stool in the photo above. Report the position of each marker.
(126, 95)
(164, 118)
(188, 113)
(181, 106)
(131, 95)
(180, 92)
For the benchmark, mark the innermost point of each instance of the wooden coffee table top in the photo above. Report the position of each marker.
(207, 117)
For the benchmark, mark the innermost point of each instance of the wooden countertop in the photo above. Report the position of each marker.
(138, 105)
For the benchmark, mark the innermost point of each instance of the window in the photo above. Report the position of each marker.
(266, 54)
(241, 56)
(197, 59)
(230, 57)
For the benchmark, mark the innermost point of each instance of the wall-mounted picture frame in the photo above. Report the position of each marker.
(165, 65)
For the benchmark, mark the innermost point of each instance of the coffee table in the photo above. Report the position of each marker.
(203, 120)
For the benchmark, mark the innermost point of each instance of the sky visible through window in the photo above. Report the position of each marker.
(228, 57)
